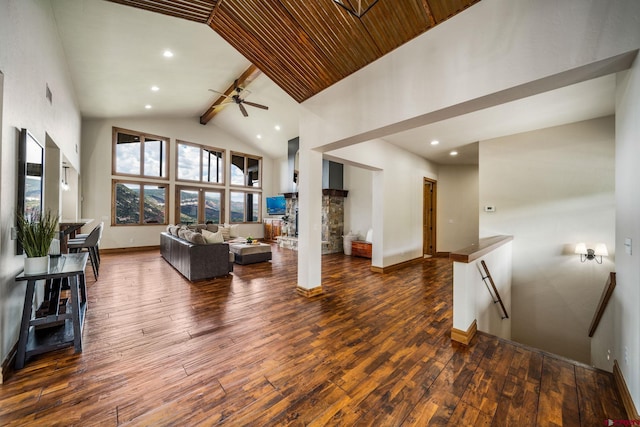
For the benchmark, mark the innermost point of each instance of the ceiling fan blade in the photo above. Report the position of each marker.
(219, 93)
(253, 104)
(244, 110)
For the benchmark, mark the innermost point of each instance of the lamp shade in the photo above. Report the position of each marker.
(601, 250)
(581, 248)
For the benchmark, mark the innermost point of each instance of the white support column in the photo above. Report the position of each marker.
(310, 222)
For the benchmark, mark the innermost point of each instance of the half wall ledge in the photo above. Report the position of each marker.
(484, 246)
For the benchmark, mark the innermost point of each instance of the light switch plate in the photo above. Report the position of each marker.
(490, 208)
(627, 245)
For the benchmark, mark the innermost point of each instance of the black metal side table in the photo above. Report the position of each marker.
(65, 328)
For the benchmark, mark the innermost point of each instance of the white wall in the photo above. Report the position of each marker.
(553, 188)
(457, 207)
(397, 189)
(31, 57)
(626, 297)
(96, 179)
(358, 204)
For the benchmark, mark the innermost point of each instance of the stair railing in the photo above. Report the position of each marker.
(493, 291)
(602, 305)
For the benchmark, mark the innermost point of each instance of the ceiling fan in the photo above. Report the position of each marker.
(237, 99)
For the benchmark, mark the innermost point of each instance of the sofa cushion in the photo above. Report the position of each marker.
(197, 238)
(210, 237)
(182, 233)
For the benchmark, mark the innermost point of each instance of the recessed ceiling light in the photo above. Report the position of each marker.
(277, 127)
(453, 153)
(155, 88)
(148, 106)
(167, 54)
(435, 142)
(259, 136)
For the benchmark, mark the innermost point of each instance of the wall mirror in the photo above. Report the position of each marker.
(30, 176)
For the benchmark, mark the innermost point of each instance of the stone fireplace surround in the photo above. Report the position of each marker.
(332, 221)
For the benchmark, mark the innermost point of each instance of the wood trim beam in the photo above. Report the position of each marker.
(484, 246)
(464, 337)
(310, 293)
(213, 12)
(244, 80)
(625, 394)
(602, 304)
(427, 10)
(394, 267)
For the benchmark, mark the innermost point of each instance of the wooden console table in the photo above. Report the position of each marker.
(361, 248)
(65, 329)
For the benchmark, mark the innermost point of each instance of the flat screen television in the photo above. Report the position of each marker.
(276, 205)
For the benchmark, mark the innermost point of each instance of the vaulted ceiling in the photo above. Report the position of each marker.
(306, 46)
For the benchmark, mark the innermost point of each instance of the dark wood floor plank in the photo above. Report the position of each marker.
(374, 349)
(558, 403)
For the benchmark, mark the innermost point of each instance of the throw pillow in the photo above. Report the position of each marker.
(210, 237)
(226, 231)
(233, 231)
(197, 239)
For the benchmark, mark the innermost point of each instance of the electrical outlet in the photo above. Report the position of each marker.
(609, 354)
(489, 208)
(14, 233)
(626, 355)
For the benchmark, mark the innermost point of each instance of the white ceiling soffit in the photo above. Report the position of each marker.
(582, 101)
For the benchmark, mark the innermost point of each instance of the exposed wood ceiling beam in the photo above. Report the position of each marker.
(244, 80)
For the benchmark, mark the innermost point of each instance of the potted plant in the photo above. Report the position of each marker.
(35, 233)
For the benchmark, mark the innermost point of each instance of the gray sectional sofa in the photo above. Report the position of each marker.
(196, 261)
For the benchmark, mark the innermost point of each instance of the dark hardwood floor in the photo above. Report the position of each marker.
(248, 350)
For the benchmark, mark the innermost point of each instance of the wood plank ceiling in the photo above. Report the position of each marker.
(306, 46)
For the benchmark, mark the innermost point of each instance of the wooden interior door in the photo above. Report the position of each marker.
(429, 218)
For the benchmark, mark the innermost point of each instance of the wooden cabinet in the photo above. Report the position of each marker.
(361, 248)
(272, 229)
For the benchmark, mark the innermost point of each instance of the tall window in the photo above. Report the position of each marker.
(245, 170)
(245, 206)
(200, 163)
(139, 154)
(199, 205)
(138, 203)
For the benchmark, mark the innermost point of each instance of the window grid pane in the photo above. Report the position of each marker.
(255, 207)
(188, 162)
(154, 204)
(237, 170)
(212, 166)
(128, 154)
(237, 207)
(154, 157)
(188, 206)
(127, 203)
(212, 207)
